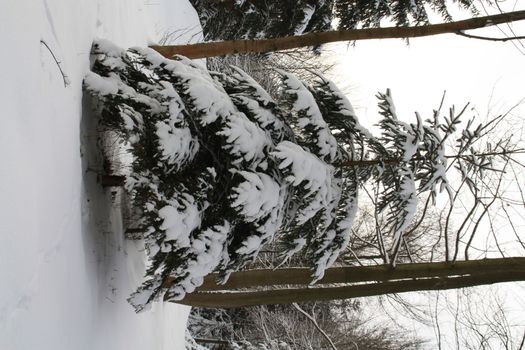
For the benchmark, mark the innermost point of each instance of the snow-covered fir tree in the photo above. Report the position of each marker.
(220, 168)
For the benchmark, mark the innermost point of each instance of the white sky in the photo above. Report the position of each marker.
(418, 74)
(469, 70)
(490, 75)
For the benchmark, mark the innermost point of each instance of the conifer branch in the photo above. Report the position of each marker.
(395, 161)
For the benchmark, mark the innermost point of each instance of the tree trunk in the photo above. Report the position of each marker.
(210, 341)
(402, 278)
(303, 295)
(356, 274)
(134, 234)
(112, 180)
(222, 48)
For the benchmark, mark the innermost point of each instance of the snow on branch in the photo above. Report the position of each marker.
(317, 134)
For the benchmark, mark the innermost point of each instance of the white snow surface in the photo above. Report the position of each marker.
(66, 269)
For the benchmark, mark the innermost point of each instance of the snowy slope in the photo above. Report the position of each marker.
(65, 269)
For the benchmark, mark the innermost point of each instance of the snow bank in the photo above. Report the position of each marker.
(66, 269)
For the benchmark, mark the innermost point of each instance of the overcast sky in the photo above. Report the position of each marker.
(418, 74)
(486, 74)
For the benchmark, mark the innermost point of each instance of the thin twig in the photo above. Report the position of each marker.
(314, 322)
(59, 65)
(471, 36)
(522, 342)
(485, 210)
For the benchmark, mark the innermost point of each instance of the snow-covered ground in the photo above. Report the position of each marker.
(65, 268)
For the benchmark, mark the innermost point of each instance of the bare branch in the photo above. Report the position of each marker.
(58, 63)
(471, 36)
(316, 325)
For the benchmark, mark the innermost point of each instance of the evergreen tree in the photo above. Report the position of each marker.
(220, 168)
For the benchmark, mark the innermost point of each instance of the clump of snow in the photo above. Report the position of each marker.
(180, 219)
(322, 190)
(250, 245)
(207, 99)
(204, 256)
(108, 48)
(326, 258)
(298, 244)
(265, 118)
(177, 144)
(103, 85)
(350, 210)
(304, 168)
(256, 197)
(259, 199)
(245, 140)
